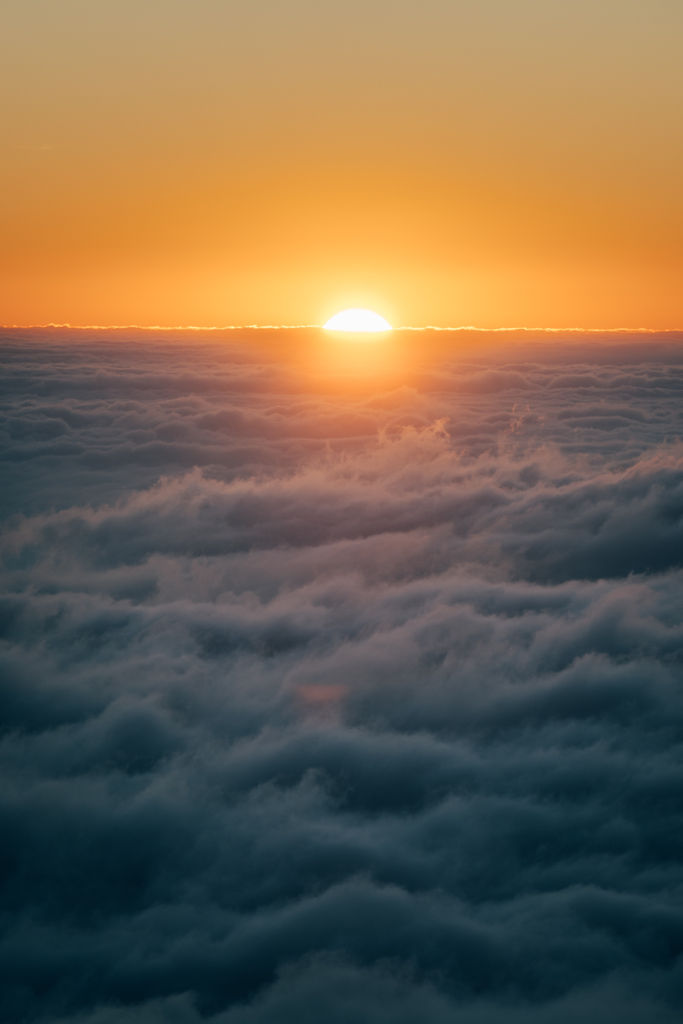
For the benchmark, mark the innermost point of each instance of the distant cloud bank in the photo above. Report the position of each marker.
(341, 706)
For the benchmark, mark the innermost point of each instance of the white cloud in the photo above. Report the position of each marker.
(319, 707)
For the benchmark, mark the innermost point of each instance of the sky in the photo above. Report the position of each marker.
(211, 162)
(340, 700)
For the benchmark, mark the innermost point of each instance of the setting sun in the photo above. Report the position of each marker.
(362, 321)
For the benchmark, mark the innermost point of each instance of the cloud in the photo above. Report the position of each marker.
(341, 707)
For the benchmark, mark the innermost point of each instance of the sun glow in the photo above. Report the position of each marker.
(359, 321)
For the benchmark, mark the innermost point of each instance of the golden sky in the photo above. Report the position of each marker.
(491, 162)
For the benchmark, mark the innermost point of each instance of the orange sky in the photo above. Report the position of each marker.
(212, 162)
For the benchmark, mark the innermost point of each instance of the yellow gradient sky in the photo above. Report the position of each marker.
(492, 162)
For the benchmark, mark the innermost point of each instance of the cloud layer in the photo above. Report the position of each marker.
(324, 704)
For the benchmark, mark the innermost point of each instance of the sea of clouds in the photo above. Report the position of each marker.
(338, 702)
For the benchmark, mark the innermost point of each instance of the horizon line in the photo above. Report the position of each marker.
(294, 327)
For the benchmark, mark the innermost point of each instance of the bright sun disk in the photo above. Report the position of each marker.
(360, 320)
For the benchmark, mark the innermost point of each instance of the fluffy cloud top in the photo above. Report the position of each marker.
(341, 705)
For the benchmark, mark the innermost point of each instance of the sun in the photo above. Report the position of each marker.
(358, 320)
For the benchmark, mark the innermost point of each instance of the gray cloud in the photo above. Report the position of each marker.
(341, 706)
